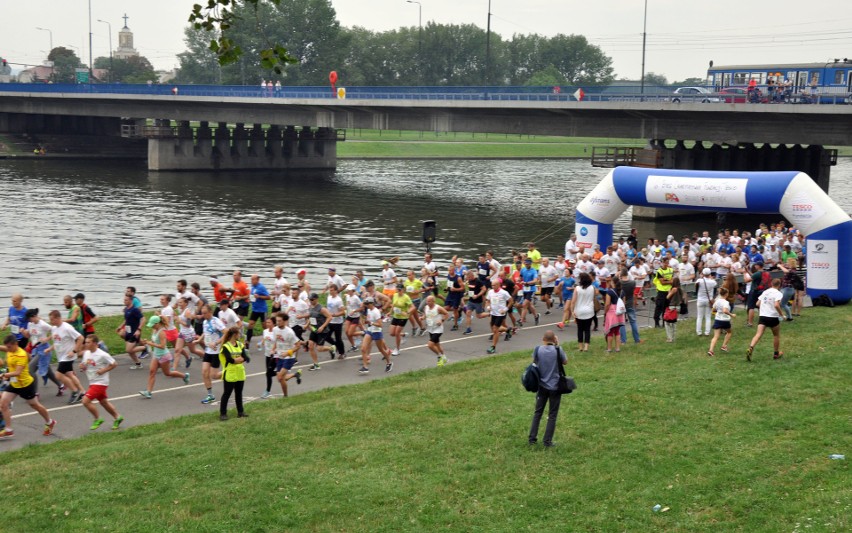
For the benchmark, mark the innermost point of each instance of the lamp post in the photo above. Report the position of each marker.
(51, 38)
(90, 41)
(110, 47)
(419, 24)
(644, 37)
(488, 47)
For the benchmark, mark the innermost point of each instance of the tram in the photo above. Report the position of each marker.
(829, 78)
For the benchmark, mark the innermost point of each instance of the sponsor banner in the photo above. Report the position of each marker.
(822, 264)
(699, 192)
(587, 235)
(802, 211)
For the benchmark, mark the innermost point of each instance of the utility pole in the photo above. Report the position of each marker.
(110, 47)
(91, 72)
(644, 36)
(488, 47)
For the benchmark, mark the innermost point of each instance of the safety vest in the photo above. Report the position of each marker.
(663, 279)
(232, 371)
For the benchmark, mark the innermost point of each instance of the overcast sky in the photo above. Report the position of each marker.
(683, 35)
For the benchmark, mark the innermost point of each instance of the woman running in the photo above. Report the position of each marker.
(354, 331)
(38, 331)
(374, 334)
(186, 343)
(161, 356)
(722, 308)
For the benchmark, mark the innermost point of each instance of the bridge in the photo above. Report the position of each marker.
(299, 127)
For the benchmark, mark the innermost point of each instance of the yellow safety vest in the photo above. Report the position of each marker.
(236, 371)
(663, 279)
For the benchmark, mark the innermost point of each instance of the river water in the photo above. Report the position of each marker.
(97, 227)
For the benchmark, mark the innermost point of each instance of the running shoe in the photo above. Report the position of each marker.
(314, 366)
(454, 328)
(189, 362)
(710, 353)
(547, 312)
(186, 378)
(422, 332)
(96, 424)
(442, 360)
(508, 336)
(145, 353)
(724, 348)
(208, 399)
(73, 398)
(117, 422)
(389, 367)
(778, 355)
(560, 325)
(536, 319)
(266, 394)
(363, 370)
(48, 428)
(395, 353)
(6, 433)
(468, 331)
(223, 417)
(61, 391)
(404, 339)
(79, 397)
(145, 394)
(136, 366)
(748, 353)
(298, 377)
(491, 350)
(353, 349)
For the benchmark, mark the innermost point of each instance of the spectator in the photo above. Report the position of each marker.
(547, 357)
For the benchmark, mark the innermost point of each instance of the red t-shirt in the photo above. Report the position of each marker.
(241, 289)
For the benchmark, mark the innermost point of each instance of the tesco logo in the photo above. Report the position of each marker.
(821, 266)
(802, 207)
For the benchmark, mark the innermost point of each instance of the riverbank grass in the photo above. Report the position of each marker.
(719, 443)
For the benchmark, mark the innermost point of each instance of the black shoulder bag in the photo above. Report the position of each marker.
(566, 384)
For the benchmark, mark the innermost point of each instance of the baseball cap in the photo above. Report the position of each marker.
(301, 271)
(349, 288)
(706, 271)
(385, 263)
(369, 301)
(153, 320)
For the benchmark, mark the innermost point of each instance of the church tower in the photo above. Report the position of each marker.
(125, 42)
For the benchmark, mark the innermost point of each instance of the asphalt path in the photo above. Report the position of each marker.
(171, 398)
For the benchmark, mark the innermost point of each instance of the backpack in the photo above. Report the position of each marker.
(765, 281)
(823, 300)
(531, 376)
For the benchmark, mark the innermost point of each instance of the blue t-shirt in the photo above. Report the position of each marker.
(568, 283)
(756, 258)
(528, 275)
(132, 318)
(18, 318)
(259, 305)
(137, 303)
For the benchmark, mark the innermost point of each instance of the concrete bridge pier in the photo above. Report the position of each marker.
(239, 148)
(814, 160)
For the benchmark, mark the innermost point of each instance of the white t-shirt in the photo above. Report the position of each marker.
(705, 287)
(167, 315)
(602, 274)
(387, 277)
(334, 304)
(285, 340)
(64, 341)
(434, 319)
(374, 315)
(610, 262)
(584, 301)
(353, 306)
(723, 265)
(638, 273)
(335, 280)
(229, 318)
(548, 275)
(185, 320)
(767, 302)
(213, 332)
(285, 302)
(570, 246)
(686, 272)
(723, 310)
(300, 307)
(268, 342)
(39, 332)
(583, 266)
(279, 284)
(94, 362)
(560, 268)
(193, 299)
(496, 266)
(499, 301)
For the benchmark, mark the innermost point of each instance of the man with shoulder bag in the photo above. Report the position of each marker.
(549, 358)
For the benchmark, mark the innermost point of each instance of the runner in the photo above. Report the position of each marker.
(498, 304)
(548, 274)
(402, 307)
(97, 363)
(21, 384)
(333, 280)
(414, 290)
(68, 345)
(334, 304)
(476, 289)
(318, 320)
(280, 287)
(167, 317)
(240, 294)
(213, 331)
(373, 319)
(455, 291)
(354, 331)
(722, 323)
(566, 288)
(17, 319)
(187, 342)
(131, 292)
(228, 316)
(87, 314)
(231, 358)
(770, 317)
(434, 316)
(299, 313)
(286, 346)
(388, 280)
(429, 273)
(161, 356)
(130, 330)
(75, 316)
(258, 296)
(39, 333)
(529, 278)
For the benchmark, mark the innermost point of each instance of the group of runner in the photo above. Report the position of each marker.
(298, 319)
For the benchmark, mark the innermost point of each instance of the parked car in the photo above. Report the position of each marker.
(734, 95)
(694, 94)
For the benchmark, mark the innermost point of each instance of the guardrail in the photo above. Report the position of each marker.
(612, 93)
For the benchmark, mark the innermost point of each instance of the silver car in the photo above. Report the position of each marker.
(694, 94)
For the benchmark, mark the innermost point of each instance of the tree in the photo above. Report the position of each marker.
(549, 77)
(134, 69)
(652, 78)
(575, 60)
(198, 64)
(65, 62)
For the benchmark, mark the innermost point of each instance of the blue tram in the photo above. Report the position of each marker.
(829, 78)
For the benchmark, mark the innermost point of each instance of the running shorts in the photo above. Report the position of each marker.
(97, 392)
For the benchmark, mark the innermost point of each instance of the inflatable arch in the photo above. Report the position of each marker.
(828, 229)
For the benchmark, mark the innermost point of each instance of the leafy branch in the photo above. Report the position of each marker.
(218, 16)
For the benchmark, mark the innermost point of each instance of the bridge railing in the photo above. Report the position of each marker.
(611, 93)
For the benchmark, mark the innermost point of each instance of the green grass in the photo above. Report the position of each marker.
(727, 445)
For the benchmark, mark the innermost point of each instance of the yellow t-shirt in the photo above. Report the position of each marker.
(401, 304)
(535, 256)
(17, 358)
(411, 286)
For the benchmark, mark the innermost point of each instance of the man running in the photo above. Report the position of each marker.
(476, 289)
(318, 320)
(434, 315)
(131, 330)
(21, 384)
(97, 364)
(529, 280)
(214, 330)
(547, 275)
(402, 307)
(68, 345)
(498, 305)
(286, 346)
(258, 296)
(88, 314)
(17, 319)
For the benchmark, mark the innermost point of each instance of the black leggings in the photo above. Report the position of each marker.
(336, 330)
(232, 386)
(584, 330)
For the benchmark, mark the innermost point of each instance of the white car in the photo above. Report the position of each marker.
(694, 94)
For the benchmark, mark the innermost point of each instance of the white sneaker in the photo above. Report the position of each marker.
(265, 395)
(395, 353)
(404, 339)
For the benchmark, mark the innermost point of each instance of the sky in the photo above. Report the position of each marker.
(682, 35)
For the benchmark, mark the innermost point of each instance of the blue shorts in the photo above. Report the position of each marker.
(528, 296)
(377, 335)
(284, 363)
(473, 306)
(722, 324)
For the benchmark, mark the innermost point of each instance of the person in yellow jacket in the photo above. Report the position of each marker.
(231, 358)
(663, 283)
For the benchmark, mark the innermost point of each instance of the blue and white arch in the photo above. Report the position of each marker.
(828, 229)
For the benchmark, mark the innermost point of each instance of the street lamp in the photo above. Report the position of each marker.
(644, 36)
(488, 47)
(51, 37)
(419, 23)
(90, 41)
(110, 47)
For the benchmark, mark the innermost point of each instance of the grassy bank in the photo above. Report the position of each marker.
(726, 445)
